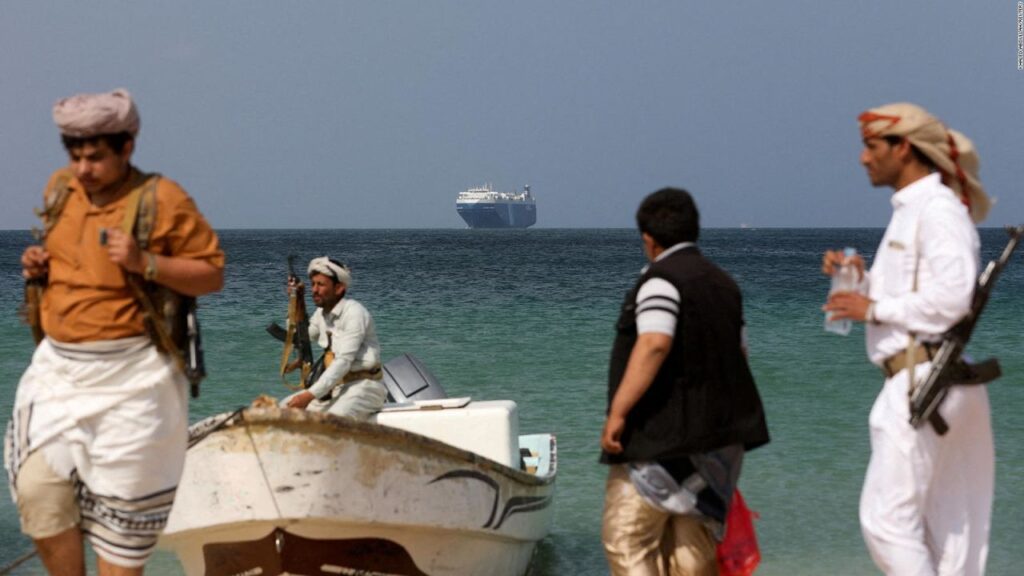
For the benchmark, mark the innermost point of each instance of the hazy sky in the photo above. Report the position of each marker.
(376, 114)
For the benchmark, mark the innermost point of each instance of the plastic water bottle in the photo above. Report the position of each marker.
(844, 279)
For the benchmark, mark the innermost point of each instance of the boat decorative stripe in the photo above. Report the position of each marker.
(513, 506)
(522, 504)
(475, 476)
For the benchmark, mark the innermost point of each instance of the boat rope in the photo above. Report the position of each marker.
(263, 470)
(17, 562)
(198, 437)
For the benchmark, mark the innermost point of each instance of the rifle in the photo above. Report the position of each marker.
(296, 336)
(948, 368)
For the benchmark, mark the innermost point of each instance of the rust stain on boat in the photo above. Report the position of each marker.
(372, 464)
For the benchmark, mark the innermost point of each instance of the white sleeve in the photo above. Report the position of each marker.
(314, 322)
(657, 307)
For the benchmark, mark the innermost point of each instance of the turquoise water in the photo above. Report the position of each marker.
(528, 315)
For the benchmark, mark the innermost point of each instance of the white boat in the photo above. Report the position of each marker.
(436, 487)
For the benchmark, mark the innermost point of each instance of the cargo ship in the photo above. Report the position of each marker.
(484, 208)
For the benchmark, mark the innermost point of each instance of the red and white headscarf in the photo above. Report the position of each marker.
(952, 153)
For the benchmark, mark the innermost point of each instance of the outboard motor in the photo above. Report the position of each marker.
(407, 379)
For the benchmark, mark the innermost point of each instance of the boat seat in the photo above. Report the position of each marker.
(488, 428)
(407, 379)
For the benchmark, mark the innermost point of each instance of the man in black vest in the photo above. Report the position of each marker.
(682, 404)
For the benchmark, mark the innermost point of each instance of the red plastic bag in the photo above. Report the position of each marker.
(738, 554)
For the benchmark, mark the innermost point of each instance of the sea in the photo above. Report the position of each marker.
(528, 315)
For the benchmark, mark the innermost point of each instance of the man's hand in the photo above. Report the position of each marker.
(123, 251)
(833, 259)
(613, 428)
(35, 262)
(848, 305)
(645, 360)
(301, 400)
(295, 285)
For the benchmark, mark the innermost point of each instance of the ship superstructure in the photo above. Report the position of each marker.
(483, 207)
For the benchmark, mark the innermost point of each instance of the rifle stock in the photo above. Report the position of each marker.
(948, 368)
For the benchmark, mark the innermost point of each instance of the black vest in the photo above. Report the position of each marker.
(703, 396)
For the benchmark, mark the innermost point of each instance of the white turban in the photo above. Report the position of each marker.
(951, 152)
(88, 115)
(330, 268)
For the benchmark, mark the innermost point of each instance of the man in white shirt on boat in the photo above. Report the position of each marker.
(351, 382)
(926, 503)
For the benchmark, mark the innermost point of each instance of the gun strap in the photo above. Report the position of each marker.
(139, 214)
(140, 210)
(911, 365)
(54, 200)
(912, 336)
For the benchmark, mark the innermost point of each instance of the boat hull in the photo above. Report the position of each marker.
(287, 491)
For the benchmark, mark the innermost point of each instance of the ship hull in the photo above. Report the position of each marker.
(497, 214)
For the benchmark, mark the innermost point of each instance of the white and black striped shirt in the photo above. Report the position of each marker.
(657, 300)
(657, 303)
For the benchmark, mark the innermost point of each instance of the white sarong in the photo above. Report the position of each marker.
(926, 505)
(112, 417)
